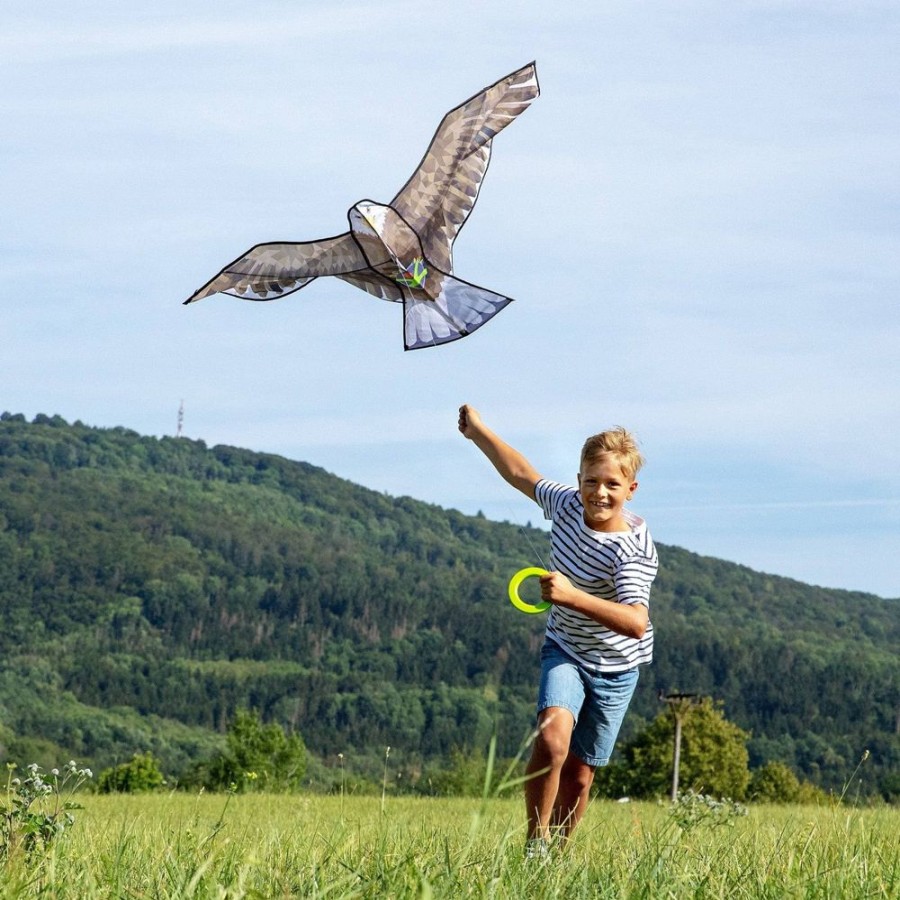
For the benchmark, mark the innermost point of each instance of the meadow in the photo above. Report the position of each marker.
(271, 846)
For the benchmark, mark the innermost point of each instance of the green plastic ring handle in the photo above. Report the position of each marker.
(516, 600)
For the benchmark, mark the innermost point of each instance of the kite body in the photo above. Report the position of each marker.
(403, 251)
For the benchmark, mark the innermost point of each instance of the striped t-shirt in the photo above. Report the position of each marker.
(617, 566)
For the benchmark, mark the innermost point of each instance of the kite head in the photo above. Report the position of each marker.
(390, 246)
(368, 218)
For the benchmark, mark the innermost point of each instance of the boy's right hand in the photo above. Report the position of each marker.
(512, 466)
(469, 420)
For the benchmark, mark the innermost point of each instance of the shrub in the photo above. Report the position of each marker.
(257, 758)
(774, 783)
(139, 775)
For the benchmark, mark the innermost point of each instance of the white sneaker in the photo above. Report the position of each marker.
(537, 848)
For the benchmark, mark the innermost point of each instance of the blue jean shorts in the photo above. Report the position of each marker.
(597, 701)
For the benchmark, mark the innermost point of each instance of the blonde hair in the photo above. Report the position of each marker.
(616, 442)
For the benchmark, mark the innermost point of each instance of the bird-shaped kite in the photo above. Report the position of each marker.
(403, 251)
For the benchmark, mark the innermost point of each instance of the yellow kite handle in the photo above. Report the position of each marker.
(516, 600)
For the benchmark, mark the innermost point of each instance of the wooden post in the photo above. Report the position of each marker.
(677, 761)
(679, 704)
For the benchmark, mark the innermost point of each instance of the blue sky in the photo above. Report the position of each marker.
(698, 219)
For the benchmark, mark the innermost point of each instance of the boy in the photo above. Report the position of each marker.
(598, 630)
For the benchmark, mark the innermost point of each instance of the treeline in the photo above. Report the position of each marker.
(150, 588)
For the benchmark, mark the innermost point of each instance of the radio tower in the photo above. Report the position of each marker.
(180, 419)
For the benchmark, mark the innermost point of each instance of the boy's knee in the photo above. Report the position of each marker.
(552, 749)
(552, 742)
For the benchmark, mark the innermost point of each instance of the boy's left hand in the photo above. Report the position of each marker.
(556, 588)
(630, 620)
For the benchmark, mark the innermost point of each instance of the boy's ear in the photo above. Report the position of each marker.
(631, 490)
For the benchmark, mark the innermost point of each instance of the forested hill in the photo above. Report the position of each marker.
(150, 587)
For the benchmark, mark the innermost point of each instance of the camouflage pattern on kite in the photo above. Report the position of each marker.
(403, 251)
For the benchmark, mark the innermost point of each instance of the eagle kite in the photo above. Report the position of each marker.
(403, 251)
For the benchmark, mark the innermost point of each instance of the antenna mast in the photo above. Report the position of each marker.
(180, 419)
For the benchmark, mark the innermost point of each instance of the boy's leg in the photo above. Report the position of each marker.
(548, 755)
(592, 744)
(573, 794)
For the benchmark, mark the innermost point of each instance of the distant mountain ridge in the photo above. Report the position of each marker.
(149, 587)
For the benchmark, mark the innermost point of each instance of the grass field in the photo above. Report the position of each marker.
(259, 846)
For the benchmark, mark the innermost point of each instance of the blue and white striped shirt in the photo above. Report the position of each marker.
(618, 566)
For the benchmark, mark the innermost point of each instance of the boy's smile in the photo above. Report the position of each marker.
(604, 490)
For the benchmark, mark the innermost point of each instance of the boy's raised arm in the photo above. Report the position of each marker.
(511, 465)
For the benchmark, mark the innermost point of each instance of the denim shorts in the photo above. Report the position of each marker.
(597, 701)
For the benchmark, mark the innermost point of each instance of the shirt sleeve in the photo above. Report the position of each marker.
(550, 495)
(633, 578)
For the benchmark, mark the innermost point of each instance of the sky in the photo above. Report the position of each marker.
(698, 220)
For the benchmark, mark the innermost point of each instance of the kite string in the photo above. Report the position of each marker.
(404, 285)
(401, 271)
(531, 543)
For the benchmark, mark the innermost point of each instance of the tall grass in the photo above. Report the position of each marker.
(260, 846)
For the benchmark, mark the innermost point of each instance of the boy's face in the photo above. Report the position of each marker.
(605, 489)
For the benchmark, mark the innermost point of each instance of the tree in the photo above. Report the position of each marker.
(714, 757)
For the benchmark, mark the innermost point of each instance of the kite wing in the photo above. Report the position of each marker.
(373, 283)
(437, 199)
(267, 271)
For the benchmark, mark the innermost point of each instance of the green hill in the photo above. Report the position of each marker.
(150, 587)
